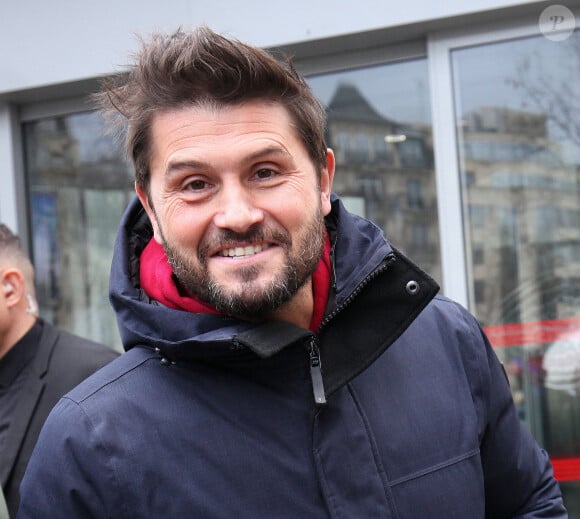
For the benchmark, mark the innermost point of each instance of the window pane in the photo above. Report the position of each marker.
(79, 185)
(379, 126)
(519, 145)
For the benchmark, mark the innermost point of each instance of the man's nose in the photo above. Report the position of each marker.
(237, 209)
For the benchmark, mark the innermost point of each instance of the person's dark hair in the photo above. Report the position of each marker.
(9, 242)
(12, 253)
(199, 68)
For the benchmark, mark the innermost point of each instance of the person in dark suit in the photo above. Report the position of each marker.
(38, 364)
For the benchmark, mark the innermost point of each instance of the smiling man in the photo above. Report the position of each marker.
(239, 208)
(283, 359)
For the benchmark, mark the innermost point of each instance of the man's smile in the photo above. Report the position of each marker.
(243, 251)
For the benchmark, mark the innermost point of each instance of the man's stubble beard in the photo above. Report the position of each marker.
(247, 301)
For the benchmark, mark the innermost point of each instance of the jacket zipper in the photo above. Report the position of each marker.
(316, 372)
(314, 350)
(389, 260)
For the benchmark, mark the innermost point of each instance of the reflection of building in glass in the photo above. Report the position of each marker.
(79, 186)
(522, 200)
(385, 172)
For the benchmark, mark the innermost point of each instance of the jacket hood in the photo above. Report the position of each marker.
(358, 248)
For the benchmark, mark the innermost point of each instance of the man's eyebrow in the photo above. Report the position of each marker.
(180, 165)
(192, 165)
(266, 152)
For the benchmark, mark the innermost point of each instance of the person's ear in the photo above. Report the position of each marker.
(326, 178)
(12, 285)
(145, 200)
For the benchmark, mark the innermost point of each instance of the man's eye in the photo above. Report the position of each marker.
(196, 185)
(265, 173)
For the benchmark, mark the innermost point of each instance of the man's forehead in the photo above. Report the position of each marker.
(255, 130)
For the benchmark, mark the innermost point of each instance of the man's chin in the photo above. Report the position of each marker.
(250, 301)
(239, 278)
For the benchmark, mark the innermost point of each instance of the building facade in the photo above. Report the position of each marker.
(456, 129)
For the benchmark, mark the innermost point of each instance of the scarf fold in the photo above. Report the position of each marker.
(156, 278)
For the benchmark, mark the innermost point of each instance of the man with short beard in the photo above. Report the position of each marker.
(283, 359)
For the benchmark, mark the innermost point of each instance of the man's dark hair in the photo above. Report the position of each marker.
(12, 253)
(9, 242)
(202, 68)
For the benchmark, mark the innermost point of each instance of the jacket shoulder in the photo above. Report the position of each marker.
(120, 368)
(451, 315)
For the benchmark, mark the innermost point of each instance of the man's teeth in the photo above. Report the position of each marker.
(237, 252)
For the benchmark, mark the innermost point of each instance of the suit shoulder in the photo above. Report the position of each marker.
(69, 341)
(72, 353)
(64, 359)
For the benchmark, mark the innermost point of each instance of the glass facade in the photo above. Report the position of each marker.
(380, 131)
(519, 151)
(78, 186)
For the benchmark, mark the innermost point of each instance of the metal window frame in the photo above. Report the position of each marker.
(44, 109)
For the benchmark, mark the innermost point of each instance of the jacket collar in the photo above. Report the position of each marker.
(370, 287)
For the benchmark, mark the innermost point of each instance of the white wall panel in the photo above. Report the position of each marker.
(43, 43)
(8, 181)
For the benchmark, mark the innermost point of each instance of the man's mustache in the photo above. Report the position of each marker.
(225, 238)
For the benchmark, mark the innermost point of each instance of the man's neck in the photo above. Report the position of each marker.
(299, 309)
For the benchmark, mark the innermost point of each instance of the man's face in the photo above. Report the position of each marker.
(235, 201)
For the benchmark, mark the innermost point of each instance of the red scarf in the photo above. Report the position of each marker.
(156, 278)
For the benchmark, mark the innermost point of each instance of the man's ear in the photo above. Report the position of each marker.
(147, 205)
(12, 286)
(326, 179)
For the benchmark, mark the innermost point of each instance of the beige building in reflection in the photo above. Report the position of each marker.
(384, 171)
(77, 198)
(523, 220)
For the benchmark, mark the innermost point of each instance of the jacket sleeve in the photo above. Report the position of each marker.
(67, 475)
(518, 476)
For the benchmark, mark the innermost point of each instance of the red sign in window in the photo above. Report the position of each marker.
(546, 332)
(566, 469)
(518, 334)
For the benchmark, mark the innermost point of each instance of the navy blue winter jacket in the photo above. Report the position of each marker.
(206, 416)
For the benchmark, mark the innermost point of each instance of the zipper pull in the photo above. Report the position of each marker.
(333, 266)
(316, 373)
